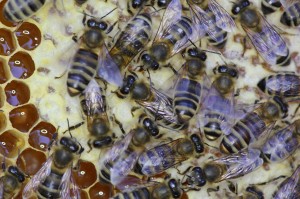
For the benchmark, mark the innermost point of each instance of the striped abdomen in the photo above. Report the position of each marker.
(19, 10)
(82, 71)
(270, 6)
(50, 187)
(291, 17)
(156, 160)
(287, 85)
(243, 133)
(141, 193)
(186, 100)
(212, 128)
(132, 40)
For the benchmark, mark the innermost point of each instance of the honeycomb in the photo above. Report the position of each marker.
(35, 104)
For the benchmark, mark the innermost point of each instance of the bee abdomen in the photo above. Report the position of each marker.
(221, 39)
(270, 6)
(16, 10)
(212, 130)
(50, 187)
(291, 17)
(83, 69)
(284, 60)
(142, 193)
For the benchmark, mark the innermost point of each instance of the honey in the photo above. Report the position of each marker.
(24, 117)
(41, 136)
(28, 35)
(21, 65)
(85, 175)
(101, 191)
(7, 43)
(4, 73)
(11, 143)
(17, 93)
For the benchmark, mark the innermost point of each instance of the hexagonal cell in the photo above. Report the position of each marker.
(7, 42)
(21, 65)
(85, 175)
(17, 93)
(28, 35)
(10, 143)
(4, 72)
(24, 117)
(3, 121)
(101, 191)
(3, 20)
(2, 97)
(41, 135)
(30, 161)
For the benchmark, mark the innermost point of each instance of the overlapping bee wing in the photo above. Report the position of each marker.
(67, 183)
(240, 163)
(31, 187)
(287, 3)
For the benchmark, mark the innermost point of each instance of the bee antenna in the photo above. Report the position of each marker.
(193, 43)
(3, 166)
(109, 12)
(69, 127)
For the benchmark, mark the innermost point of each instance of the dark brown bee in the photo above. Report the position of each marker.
(253, 125)
(270, 6)
(11, 182)
(281, 84)
(267, 41)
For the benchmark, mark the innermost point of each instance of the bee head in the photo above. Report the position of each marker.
(150, 126)
(136, 3)
(197, 177)
(17, 173)
(104, 141)
(150, 61)
(238, 7)
(224, 69)
(198, 144)
(175, 188)
(71, 145)
(162, 3)
(93, 38)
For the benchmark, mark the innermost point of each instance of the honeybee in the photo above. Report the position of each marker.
(270, 6)
(121, 158)
(162, 157)
(158, 105)
(138, 4)
(291, 15)
(132, 39)
(11, 182)
(189, 89)
(281, 84)
(54, 179)
(290, 188)
(86, 62)
(213, 19)
(267, 41)
(16, 11)
(218, 107)
(173, 35)
(253, 125)
(94, 106)
(155, 190)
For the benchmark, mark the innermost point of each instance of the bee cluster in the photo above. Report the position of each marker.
(149, 99)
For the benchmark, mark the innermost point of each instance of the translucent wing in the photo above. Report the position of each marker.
(35, 181)
(287, 3)
(240, 163)
(290, 187)
(108, 69)
(223, 18)
(67, 183)
(131, 183)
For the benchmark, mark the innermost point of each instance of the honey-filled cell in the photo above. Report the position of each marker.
(24, 117)
(41, 136)
(101, 191)
(3, 20)
(4, 72)
(83, 194)
(31, 160)
(85, 175)
(21, 65)
(28, 35)
(7, 42)
(3, 121)
(10, 143)
(17, 93)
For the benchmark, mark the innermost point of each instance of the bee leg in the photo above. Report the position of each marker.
(185, 171)
(119, 124)
(111, 27)
(295, 112)
(133, 109)
(209, 190)
(172, 68)
(70, 128)
(53, 139)
(237, 92)
(90, 146)
(272, 180)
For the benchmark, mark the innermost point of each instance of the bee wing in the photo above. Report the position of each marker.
(287, 3)
(289, 187)
(223, 18)
(32, 185)
(108, 69)
(67, 182)
(131, 183)
(261, 140)
(240, 163)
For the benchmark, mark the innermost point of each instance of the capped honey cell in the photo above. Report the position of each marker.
(4, 72)
(7, 42)
(17, 93)
(10, 143)
(28, 35)
(85, 175)
(101, 191)
(41, 136)
(24, 117)
(30, 161)
(2, 18)
(3, 121)
(21, 65)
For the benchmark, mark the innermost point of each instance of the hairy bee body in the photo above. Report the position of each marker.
(16, 11)
(141, 193)
(132, 40)
(291, 16)
(253, 125)
(10, 183)
(281, 84)
(270, 6)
